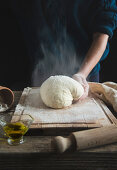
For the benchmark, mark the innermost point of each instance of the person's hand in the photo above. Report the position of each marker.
(82, 80)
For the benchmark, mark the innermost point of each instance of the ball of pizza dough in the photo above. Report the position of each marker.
(59, 91)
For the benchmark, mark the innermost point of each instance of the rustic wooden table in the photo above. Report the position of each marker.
(38, 153)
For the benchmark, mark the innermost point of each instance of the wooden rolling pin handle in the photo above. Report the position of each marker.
(87, 138)
(61, 144)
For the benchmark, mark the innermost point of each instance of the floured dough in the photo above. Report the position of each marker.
(60, 91)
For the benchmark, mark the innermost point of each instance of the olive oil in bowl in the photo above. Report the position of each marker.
(15, 132)
(16, 127)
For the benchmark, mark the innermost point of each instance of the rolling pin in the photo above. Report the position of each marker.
(86, 139)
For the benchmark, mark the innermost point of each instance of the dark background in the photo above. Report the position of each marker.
(14, 62)
(109, 66)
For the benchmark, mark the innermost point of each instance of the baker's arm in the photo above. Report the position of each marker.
(94, 54)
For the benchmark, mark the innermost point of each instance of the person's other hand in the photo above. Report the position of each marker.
(82, 80)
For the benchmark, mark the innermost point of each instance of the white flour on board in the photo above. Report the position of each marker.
(87, 111)
(3, 106)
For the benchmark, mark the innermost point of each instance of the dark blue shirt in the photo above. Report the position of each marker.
(64, 28)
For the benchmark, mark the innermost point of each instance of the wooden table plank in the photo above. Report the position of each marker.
(75, 161)
(38, 153)
(42, 144)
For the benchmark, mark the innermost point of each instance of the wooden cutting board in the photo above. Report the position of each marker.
(91, 112)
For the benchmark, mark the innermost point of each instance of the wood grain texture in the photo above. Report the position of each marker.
(38, 154)
(75, 161)
(43, 144)
(89, 113)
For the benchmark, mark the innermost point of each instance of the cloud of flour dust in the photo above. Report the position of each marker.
(62, 60)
